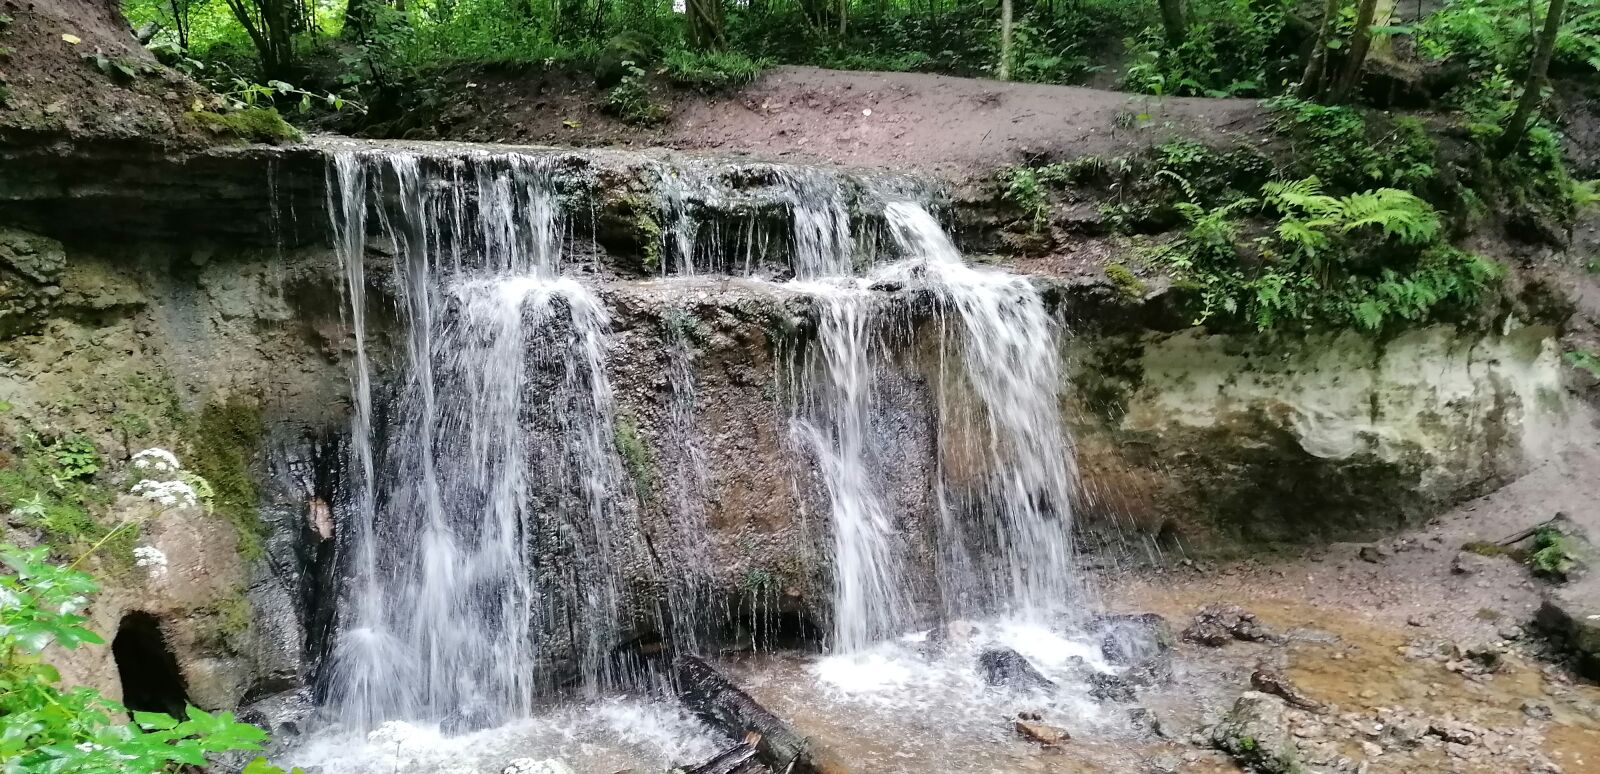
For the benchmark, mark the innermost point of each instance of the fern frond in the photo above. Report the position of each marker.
(1305, 195)
(1397, 213)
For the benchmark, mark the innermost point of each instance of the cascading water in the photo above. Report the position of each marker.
(1011, 354)
(1004, 540)
(486, 538)
(489, 549)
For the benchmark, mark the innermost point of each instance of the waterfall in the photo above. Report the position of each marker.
(483, 541)
(1004, 545)
(1011, 353)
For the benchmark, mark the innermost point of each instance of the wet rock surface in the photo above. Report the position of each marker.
(1256, 733)
(1006, 668)
(1219, 624)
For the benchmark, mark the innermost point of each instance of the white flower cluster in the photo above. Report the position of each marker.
(156, 461)
(150, 558)
(173, 493)
(163, 481)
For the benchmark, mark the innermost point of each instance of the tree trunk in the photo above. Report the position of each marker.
(1005, 40)
(1360, 43)
(720, 703)
(359, 16)
(1317, 63)
(1533, 86)
(705, 24)
(1175, 20)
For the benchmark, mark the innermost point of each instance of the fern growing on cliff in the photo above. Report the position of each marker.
(1362, 259)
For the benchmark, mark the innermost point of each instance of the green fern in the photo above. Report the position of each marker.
(1398, 214)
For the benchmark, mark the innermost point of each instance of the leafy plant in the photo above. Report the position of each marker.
(1552, 555)
(630, 99)
(1227, 50)
(1585, 360)
(51, 729)
(1312, 268)
(711, 70)
(75, 457)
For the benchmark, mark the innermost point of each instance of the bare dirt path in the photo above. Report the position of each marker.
(952, 127)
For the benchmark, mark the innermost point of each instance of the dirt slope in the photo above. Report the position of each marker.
(909, 121)
(74, 71)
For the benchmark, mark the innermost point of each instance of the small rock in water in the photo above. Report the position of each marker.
(1008, 668)
(1217, 624)
(1471, 563)
(1375, 553)
(1043, 733)
(1537, 711)
(1454, 733)
(1270, 682)
(1256, 734)
(532, 766)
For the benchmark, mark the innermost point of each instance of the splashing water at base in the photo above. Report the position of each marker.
(607, 735)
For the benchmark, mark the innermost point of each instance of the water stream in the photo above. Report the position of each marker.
(490, 533)
(487, 535)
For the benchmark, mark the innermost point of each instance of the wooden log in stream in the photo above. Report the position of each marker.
(716, 700)
(738, 759)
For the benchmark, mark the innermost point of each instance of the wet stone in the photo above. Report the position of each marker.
(1218, 624)
(1256, 733)
(1267, 681)
(1042, 733)
(1006, 668)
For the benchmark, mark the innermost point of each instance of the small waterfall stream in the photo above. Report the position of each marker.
(491, 544)
(488, 534)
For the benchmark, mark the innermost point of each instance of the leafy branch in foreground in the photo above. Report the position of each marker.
(45, 729)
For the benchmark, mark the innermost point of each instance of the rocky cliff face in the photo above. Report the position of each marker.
(209, 285)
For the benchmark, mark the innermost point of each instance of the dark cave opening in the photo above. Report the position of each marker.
(151, 680)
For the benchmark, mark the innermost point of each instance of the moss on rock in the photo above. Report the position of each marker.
(223, 441)
(249, 125)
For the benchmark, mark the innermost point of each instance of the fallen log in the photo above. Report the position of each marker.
(720, 703)
(738, 759)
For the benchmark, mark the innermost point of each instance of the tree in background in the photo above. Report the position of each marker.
(1355, 54)
(1175, 21)
(1533, 85)
(705, 24)
(271, 25)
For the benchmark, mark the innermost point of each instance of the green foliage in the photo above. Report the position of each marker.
(1552, 555)
(1227, 50)
(75, 456)
(256, 124)
(1585, 360)
(1125, 281)
(1335, 144)
(1489, 34)
(223, 441)
(49, 487)
(630, 99)
(1309, 216)
(711, 70)
(1022, 187)
(1363, 259)
(49, 729)
(636, 457)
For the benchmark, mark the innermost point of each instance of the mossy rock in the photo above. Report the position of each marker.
(258, 124)
(223, 442)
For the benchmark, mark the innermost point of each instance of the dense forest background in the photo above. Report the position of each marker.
(1466, 51)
